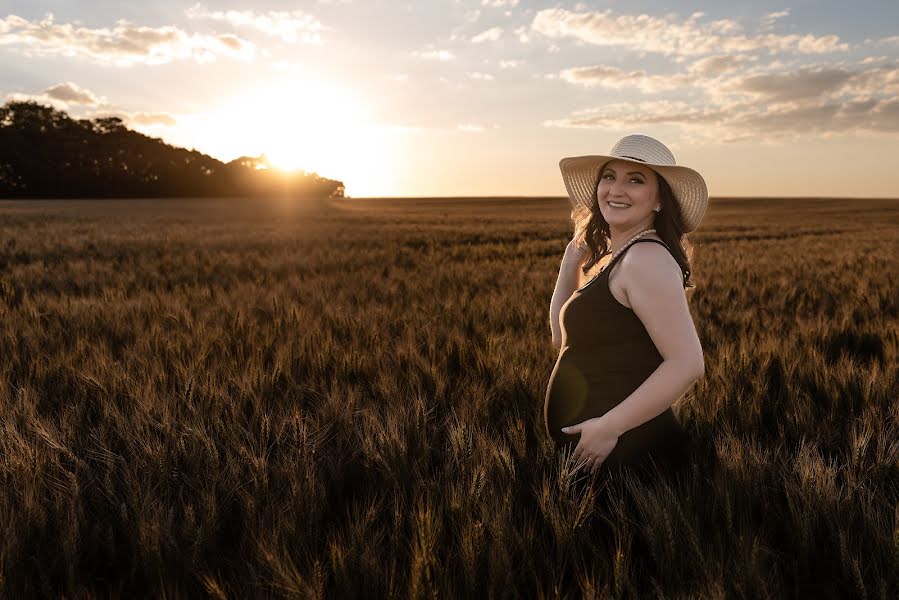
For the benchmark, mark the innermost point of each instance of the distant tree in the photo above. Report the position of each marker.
(44, 153)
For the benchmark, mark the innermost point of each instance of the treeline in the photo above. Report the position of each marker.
(44, 153)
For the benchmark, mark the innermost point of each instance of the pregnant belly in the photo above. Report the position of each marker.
(575, 394)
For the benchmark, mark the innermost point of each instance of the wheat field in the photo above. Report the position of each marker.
(240, 399)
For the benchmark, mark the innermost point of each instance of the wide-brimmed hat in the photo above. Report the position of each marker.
(581, 174)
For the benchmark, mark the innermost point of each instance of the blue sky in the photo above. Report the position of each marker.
(483, 96)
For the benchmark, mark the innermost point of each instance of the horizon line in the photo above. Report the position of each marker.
(815, 197)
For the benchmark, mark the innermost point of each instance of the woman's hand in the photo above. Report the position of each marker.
(576, 252)
(596, 443)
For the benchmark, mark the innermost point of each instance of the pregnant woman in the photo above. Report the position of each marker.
(628, 345)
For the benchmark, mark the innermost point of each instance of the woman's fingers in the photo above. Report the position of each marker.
(591, 462)
(583, 459)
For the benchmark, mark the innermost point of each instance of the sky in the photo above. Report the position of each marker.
(483, 97)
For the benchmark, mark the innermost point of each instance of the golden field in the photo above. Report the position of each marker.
(234, 399)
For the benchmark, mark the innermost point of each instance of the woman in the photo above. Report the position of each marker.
(628, 346)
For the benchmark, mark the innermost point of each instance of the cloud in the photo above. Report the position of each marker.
(671, 36)
(124, 45)
(492, 34)
(442, 55)
(623, 115)
(484, 76)
(61, 96)
(39, 98)
(474, 127)
(806, 84)
(803, 83)
(499, 2)
(719, 77)
(811, 99)
(713, 66)
(611, 77)
(291, 26)
(767, 20)
(615, 78)
(510, 64)
(522, 33)
(72, 93)
(64, 96)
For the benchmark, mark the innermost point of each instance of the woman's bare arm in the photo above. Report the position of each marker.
(655, 292)
(566, 284)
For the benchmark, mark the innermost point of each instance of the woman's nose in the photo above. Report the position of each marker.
(617, 188)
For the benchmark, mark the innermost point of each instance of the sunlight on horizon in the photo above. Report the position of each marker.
(301, 124)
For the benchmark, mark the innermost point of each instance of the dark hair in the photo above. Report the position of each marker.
(594, 230)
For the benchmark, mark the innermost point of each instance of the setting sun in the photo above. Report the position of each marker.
(300, 123)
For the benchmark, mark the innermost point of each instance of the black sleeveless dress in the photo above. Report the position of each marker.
(606, 354)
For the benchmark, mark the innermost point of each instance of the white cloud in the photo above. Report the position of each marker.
(522, 33)
(510, 64)
(671, 36)
(442, 55)
(767, 20)
(803, 83)
(71, 93)
(615, 78)
(492, 34)
(124, 45)
(713, 66)
(290, 26)
(484, 76)
(809, 100)
(499, 3)
(41, 98)
(70, 98)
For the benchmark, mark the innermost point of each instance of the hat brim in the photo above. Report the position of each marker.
(580, 174)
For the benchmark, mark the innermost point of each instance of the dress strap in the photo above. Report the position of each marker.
(620, 254)
(609, 266)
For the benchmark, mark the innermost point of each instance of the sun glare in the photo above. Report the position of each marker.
(309, 125)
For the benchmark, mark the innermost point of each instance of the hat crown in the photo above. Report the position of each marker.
(643, 148)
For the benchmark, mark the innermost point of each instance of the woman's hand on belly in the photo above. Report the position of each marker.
(595, 444)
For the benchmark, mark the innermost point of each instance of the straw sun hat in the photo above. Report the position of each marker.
(581, 174)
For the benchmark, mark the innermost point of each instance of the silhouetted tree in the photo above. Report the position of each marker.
(44, 153)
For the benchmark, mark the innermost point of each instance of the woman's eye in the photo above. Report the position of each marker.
(637, 179)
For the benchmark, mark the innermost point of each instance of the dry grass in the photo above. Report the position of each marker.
(345, 399)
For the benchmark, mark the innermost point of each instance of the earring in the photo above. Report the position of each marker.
(659, 209)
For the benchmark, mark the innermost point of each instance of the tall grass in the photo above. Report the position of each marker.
(344, 399)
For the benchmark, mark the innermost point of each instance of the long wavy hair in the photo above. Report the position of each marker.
(593, 229)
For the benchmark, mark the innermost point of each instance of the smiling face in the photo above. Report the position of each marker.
(631, 183)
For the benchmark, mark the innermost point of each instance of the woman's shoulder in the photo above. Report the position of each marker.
(651, 260)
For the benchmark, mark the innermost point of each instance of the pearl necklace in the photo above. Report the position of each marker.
(626, 244)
